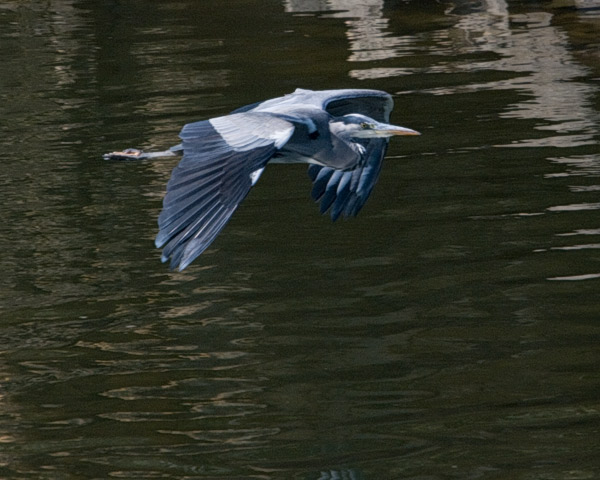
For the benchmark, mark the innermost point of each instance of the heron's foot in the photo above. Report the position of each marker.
(127, 154)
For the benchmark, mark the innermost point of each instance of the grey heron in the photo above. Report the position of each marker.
(342, 135)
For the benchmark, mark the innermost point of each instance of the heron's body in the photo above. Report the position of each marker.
(342, 134)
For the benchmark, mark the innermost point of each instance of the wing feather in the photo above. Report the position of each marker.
(373, 103)
(345, 192)
(320, 177)
(222, 159)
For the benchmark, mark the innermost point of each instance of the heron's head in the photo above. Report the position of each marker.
(360, 126)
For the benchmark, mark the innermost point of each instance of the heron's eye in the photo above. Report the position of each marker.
(365, 125)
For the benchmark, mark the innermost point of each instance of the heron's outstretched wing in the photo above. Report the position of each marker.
(373, 103)
(345, 192)
(223, 158)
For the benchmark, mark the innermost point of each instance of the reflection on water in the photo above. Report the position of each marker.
(545, 73)
(450, 331)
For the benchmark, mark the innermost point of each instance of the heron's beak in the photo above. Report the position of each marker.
(393, 130)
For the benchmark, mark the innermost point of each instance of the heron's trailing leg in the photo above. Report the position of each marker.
(135, 154)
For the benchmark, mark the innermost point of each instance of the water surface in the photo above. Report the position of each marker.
(449, 331)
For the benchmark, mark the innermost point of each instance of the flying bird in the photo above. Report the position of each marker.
(342, 134)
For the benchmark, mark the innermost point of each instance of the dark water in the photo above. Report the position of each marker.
(450, 331)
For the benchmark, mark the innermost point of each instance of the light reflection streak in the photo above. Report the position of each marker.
(531, 47)
(574, 207)
(367, 28)
(593, 231)
(589, 246)
(576, 278)
(578, 165)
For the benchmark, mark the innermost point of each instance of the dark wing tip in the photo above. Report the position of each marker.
(208, 184)
(344, 192)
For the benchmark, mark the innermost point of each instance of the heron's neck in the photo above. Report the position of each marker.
(344, 131)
